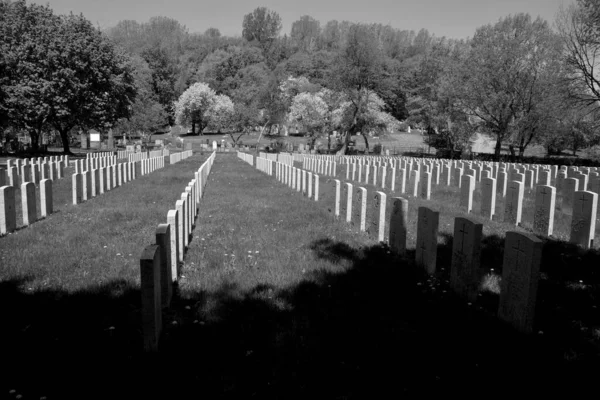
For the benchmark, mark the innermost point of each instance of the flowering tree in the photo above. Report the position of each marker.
(221, 112)
(311, 111)
(194, 106)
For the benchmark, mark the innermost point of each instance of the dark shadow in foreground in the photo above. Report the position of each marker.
(380, 328)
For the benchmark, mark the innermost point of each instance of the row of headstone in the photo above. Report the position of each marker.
(8, 207)
(96, 181)
(150, 165)
(298, 179)
(160, 263)
(37, 160)
(419, 185)
(249, 158)
(322, 167)
(158, 153)
(176, 157)
(134, 157)
(94, 163)
(34, 172)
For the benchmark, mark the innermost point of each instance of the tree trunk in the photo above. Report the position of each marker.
(64, 137)
(364, 135)
(498, 149)
(35, 140)
(193, 127)
(260, 136)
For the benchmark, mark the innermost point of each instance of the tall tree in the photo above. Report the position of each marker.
(261, 25)
(60, 72)
(506, 73)
(305, 33)
(359, 75)
(579, 28)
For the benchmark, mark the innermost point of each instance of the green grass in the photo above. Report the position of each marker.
(280, 300)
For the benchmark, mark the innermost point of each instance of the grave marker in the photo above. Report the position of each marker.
(466, 192)
(427, 231)
(520, 277)
(151, 297)
(46, 197)
(583, 222)
(173, 221)
(543, 217)
(513, 204)
(397, 235)
(163, 241)
(466, 257)
(488, 197)
(28, 203)
(8, 212)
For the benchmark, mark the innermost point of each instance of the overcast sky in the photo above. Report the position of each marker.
(451, 18)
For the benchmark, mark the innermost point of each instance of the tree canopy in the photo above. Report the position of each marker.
(59, 72)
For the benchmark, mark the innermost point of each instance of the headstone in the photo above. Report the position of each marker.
(179, 207)
(151, 297)
(349, 191)
(163, 241)
(488, 197)
(28, 203)
(398, 225)
(173, 221)
(427, 231)
(543, 216)
(414, 184)
(502, 183)
(426, 185)
(46, 197)
(570, 186)
(583, 222)
(458, 172)
(336, 188)
(379, 202)
(360, 209)
(86, 179)
(466, 255)
(8, 212)
(513, 203)
(520, 278)
(466, 192)
(77, 189)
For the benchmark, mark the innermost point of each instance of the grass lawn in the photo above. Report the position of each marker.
(279, 300)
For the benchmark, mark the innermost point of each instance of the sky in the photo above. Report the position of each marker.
(450, 18)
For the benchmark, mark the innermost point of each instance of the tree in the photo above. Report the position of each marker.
(311, 111)
(220, 113)
(147, 114)
(305, 32)
(359, 74)
(163, 78)
(504, 75)
(194, 106)
(59, 72)
(261, 25)
(579, 28)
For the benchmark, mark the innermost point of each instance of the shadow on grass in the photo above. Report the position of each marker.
(380, 328)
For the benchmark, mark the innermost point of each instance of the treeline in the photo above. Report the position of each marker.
(518, 80)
